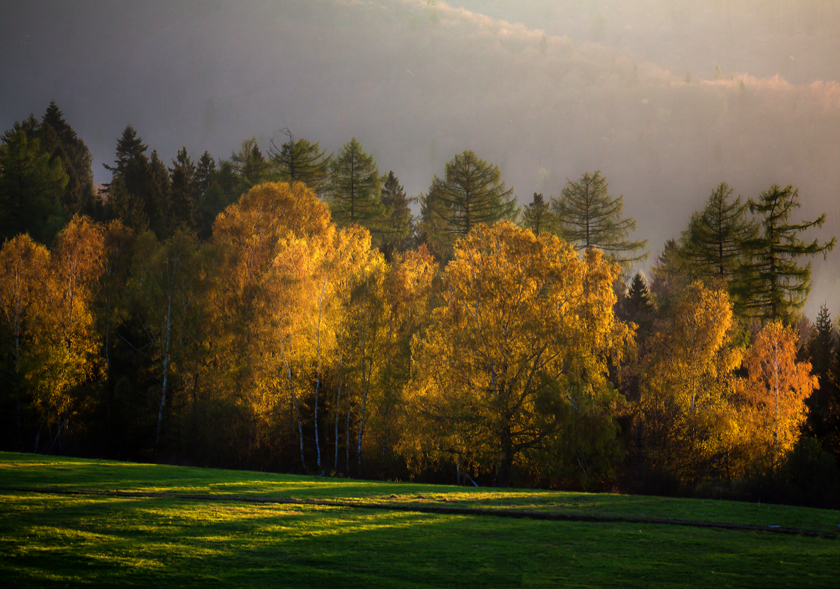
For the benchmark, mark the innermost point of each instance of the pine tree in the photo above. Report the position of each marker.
(712, 245)
(537, 216)
(301, 161)
(591, 218)
(354, 188)
(772, 285)
(472, 192)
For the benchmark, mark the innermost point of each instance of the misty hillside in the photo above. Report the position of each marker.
(545, 92)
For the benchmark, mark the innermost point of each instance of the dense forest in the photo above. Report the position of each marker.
(287, 309)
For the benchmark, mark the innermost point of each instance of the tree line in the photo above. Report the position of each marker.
(286, 310)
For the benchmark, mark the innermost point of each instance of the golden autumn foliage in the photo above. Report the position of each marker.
(774, 393)
(688, 382)
(65, 350)
(521, 343)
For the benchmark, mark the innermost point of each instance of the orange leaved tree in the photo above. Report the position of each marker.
(774, 393)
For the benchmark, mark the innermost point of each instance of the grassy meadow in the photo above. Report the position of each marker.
(50, 539)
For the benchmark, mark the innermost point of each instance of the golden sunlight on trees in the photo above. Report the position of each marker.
(687, 384)
(23, 271)
(515, 361)
(65, 353)
(774, 393)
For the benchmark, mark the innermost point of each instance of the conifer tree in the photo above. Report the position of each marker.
(354, 189)
(250, 164)
(398, 229)
(472, 192)
(712, 245)
(591, 218)
(538, 217)
(31, 188)
(772, 284)
(181, 203)
(129, 146)
(821, 349)
(79, 194)
(301, 161)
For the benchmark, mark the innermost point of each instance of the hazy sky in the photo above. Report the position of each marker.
(544, 89)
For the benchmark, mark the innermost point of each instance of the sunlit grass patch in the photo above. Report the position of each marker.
(163, 541)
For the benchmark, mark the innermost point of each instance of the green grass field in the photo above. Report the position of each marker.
(49, 539)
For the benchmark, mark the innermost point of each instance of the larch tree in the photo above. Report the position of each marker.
(772, 283)
(300, 161)
(472, 192)
(398, 226)
(713, 243)
(590, 218)
(514, 364)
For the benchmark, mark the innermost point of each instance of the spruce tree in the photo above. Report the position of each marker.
(250, 164)
(471, 192)
(79, 195)
(590, 218)
(712, 245)
(398, 230)
(183, 180)
(301, 161)
(31, 189)
(538, 217)
(354, 188)
(129, 146)
(772, 284)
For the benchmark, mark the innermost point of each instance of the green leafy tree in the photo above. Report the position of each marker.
(590, 218)
(354, 189)
(538, 217)
(301, 161)
(772, 283)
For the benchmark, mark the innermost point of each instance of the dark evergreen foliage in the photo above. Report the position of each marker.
(301, 161)
(398, 229)
(354, 189)
(771, 283)
(538, 217)
(590, 218)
